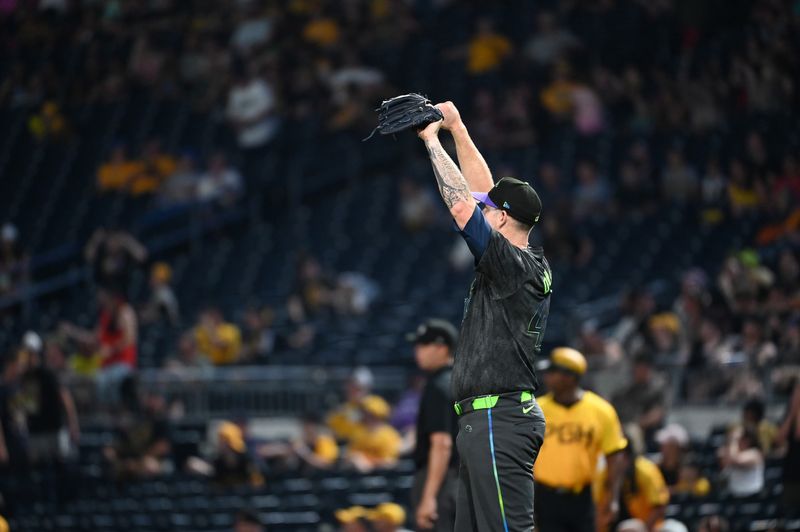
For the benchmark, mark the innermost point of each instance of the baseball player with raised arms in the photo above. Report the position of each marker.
(501, 427)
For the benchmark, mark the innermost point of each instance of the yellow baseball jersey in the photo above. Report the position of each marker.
(575, 437)
(650, 492)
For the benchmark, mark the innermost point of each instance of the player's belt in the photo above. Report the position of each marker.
(483, 402)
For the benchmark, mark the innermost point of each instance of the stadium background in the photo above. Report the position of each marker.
(219, 145)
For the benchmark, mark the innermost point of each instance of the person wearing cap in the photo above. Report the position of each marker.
(505, 314)
(581, 427)
(345, 420)
(433, 494)
(50, 414)
(376, 444)
(353, 519)
(388, 517)
(673, 441)
(644, 495)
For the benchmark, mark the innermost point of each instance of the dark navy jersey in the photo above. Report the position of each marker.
(505, 315)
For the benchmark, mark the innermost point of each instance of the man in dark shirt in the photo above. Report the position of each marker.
(501, 427)
(433, 494)
(50, 411)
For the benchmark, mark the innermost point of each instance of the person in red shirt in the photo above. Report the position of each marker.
(115, 337)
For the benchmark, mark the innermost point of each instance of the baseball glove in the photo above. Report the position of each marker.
(405, 112)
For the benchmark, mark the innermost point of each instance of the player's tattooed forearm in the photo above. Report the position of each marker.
(452, 185)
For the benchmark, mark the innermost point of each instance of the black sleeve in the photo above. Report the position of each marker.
(508, 269)
(438, 411)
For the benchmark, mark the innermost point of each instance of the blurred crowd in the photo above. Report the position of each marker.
(683, 106)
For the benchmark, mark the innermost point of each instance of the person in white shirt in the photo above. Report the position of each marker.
(251, 109)
(220, 182)
(743, 463)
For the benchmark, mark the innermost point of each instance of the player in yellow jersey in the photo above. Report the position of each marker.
(581, 426)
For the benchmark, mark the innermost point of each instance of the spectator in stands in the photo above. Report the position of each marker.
(713, 523)
(115, 338)
(322, 30)
(353, 519)
(417, 206)
(50, 415)
(550, 42)
(181, 186)
(691, 482)
(231, 465)
(634, 194)
(114, 255)
(253, 29)
(218, 340)
(673, 441)
(248, 521)
(743, 463)
(220, 183)
(742, 194)
(259, 336)
(157, 167)
(405, 410)
(119, 171)
(14, 262)
(141, 444)
(189, 357)
(162, 304)
(644, 493)
(679, 182)
(13, 444)
(49, 123)
(487, 48)
(388, 517)
(311, 294)
(376, 444)
(346, 419)
(353, 293)
(663, 339)
(753, 420)
(591, 198)
(641, 405)
(557, 96)
(789, 435)
(251, 108)
(314, 449)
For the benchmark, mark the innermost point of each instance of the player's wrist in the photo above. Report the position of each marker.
(458, 129)
(432, 140)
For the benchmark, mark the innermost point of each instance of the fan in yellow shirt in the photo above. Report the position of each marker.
(377, 445)
(345, 420)
(487, 49)
(221, 342)
(315, 447)
(644, 493)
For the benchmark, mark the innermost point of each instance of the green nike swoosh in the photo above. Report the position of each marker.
(526, 410)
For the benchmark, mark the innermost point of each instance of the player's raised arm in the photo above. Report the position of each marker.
(474, 167)
(452, 186)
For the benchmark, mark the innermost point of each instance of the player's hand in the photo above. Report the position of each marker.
(452, 118)
(431, 131)
(427, 513)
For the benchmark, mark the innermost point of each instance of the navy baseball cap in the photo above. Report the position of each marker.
(434, 331)
(516, 197)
